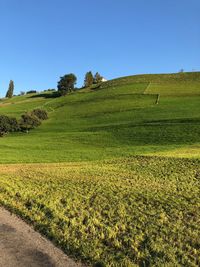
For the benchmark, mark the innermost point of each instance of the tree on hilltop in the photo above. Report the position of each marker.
(10, 91)
(66, 83)
(89, 79)
(98, 78)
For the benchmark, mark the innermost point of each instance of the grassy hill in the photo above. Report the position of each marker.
(120, 119)
(156, 78)
(179, 84)
(113, 174)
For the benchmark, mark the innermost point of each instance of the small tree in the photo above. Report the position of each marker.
(8, 124)
(66, 84)
(29, 121)
(14, 125)
(98, 78)
(4, 125)
(10, 91)
(40, 113)
(89, 79)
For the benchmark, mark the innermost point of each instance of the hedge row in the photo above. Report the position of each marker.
(28, 121)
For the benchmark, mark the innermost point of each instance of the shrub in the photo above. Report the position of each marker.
(31, 92)
(4, 124)
(50, 90)
(8, 124)
(40, 113)
(29, 121)
(14, 125)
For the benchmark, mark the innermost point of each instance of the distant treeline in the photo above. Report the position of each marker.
(66, 84)
(28, 121)
(35, 92)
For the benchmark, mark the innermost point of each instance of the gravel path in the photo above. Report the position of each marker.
(21, 246)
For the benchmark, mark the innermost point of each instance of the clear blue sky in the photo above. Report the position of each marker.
(41, 40)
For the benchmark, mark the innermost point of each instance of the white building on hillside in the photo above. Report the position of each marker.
(103, 79)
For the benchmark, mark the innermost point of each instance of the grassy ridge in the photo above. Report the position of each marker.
(111, 122)
(155, 78)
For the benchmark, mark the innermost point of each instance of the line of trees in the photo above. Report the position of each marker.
(91, 79)
(66, 84)
(28, 121)
(10, 91)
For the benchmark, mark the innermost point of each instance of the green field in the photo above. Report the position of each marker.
(139, 211)
(114, 173)
(114, 121)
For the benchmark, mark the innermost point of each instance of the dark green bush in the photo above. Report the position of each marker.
(4, 124)
(14, 125)
(31, 92)
(49, 90)
(40, 113)
(8, 124)
(29, 121)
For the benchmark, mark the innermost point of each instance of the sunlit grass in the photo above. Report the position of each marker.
(106, 123)
(138, 211)
(98, 198)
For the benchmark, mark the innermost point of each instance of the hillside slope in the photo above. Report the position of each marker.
(158, 78)
(122, 118)
(186, 83)
(102, 200)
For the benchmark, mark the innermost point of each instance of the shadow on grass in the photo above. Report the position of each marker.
(46, 95)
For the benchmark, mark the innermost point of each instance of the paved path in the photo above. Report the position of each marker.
(21, 246)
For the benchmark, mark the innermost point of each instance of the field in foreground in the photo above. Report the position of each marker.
(138, 211)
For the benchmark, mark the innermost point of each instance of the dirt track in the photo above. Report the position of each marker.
(21, 246)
